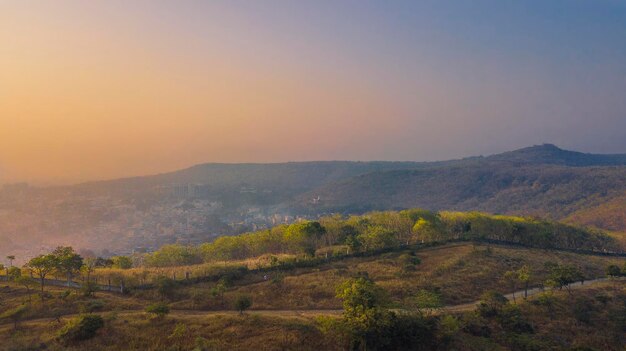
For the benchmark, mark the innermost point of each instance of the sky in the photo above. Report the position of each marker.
(104, 89)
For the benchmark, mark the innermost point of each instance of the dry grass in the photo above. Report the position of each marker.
(460, 272)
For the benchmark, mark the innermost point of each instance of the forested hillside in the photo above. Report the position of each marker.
(206, 201)
(553, 191)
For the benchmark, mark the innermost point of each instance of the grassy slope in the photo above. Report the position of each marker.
(461, 272)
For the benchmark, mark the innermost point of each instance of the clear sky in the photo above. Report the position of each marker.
(101, 89)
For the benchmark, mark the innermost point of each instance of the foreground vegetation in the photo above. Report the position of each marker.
(588, 318)
(390, 280)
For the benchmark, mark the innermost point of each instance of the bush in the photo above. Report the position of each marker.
(81, 328)
(613, 271)
(491, 303)
(159, 309)
(242, 303)
(92, 306)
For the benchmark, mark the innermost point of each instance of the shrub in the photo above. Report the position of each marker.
(491, 303)
(613, 271)
(81, 328)
(242, 303)
(92, 306)
(158, 309)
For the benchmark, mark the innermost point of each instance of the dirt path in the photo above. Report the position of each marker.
(519, 295)
(307, 313)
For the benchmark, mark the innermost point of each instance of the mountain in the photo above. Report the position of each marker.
(201, 202)
(551, 154)
(540, 180)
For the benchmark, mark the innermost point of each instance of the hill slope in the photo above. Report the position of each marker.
(542, 180)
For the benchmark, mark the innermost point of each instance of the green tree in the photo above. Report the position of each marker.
(218, 290)
(13, 273)
(89, 266)
(369, 326)
(11, 258)
(377, 237)
(425, 302)
(562, 276)
(359, 295)
(524, 275)
(242, 303)
(491, 303)
(122, 262)
(613, 271)
(41, 266)
(69, 262)
(511, 279)
(304, 235)
(426, 230)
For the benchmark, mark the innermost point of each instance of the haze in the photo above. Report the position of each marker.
(103, 89)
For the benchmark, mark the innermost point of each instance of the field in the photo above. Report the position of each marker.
(287, 304)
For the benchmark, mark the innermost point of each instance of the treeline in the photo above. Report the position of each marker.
(338, 235)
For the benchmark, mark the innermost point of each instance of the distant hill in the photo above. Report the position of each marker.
(551, 154)
(540, 180)
(201, 202)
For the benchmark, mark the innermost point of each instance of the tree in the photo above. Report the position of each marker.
(561, 276)
(11, 258)
(41, 266)
(426, 230)
(13, 273)
(359, 295)
(523, 275)
(303, 236)
(68, 262)
(377, 237)
(218, 290)
(122, 262)
(89, 266)
(613, 271)
(491, 303)
(26, 282)
(425, 302)
(511, 278)
(242, 303)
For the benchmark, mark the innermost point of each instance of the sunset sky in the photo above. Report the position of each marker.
(102, 89)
